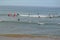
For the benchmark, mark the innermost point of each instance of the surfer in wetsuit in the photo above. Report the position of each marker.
(17, 14)
(18, 19)
(38, 15)
(50, 16)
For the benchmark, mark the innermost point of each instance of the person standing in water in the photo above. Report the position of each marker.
(17, 15)
(14, 14)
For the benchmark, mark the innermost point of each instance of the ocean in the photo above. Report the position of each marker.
(29, 25)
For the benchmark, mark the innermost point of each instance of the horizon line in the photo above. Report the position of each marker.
(33, 6)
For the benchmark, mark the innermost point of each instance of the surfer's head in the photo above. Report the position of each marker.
(17, 13)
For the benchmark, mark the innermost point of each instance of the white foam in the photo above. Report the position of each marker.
(44, 16)
(41, 23)
(34, 15)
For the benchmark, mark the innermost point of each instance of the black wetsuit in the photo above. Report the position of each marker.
(18, 19)
(17, 14)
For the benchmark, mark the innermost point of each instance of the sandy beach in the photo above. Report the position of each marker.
(26, 37)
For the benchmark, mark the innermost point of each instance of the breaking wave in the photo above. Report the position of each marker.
(43, 16)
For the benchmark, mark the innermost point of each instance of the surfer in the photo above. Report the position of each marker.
(38, 16)
(18, 19)
(17, 14)
(50, 16)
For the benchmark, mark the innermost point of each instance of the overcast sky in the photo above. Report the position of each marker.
(48, 3)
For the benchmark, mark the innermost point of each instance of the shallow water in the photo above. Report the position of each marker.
(11, 24)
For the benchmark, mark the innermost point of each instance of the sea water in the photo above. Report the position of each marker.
(11, 24)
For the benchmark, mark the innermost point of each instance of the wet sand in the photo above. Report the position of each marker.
(26, 37)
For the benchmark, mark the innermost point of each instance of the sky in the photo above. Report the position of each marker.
(44, 3)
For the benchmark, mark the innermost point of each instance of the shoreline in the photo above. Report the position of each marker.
(21, 35)
(26, 35)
